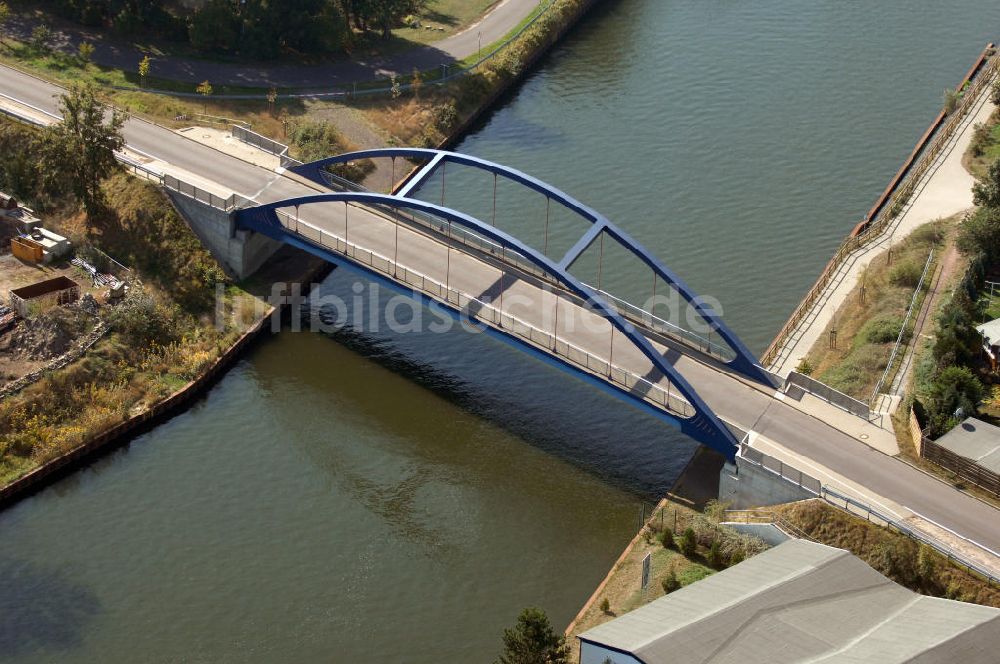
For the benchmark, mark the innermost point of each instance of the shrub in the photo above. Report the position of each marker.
(142, 321)
(995, 93)
(925, 564)
(670, 582)
(980, 139)
(880, 330)
(737, 557)
(954, 394)
(906, 274)
(689, 543)
(605, 605)
(667, 538)
(805, 367)
(951, 99)
(714, 555)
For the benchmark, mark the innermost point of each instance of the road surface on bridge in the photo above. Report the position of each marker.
(832, 455)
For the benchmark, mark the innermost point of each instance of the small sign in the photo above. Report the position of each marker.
(645, 570)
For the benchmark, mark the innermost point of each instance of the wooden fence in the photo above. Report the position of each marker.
(967, 469)
(900, 189)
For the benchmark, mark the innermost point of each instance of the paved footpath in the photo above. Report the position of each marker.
(944, 190)
(121, 55)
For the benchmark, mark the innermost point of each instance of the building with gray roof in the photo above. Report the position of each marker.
(798, 602)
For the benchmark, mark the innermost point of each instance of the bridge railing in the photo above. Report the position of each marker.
(469, 238)
(660, 395)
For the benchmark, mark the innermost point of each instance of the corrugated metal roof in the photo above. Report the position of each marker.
(801, 602)
(975, 440)
(991, 331)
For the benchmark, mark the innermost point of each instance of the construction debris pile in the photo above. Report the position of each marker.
(47, 335)
(101, 280)
(7, 317)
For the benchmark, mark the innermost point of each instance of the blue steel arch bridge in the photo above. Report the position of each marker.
(522, 293)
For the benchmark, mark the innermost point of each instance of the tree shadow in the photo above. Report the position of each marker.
(41, 608)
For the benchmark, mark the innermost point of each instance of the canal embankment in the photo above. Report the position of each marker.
(932, 184)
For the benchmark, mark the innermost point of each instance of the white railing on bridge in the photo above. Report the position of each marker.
(469, 238)
(654, 393)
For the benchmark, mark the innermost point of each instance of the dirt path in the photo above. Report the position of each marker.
(950, 266)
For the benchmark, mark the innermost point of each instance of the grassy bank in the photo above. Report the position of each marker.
(893, 554)
(684, 546)
(867, 324)
(163, 334)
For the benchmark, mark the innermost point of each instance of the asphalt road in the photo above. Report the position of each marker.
(747, 407)
(121, 54)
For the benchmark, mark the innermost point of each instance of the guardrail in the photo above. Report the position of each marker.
(861, 509)
(856, 507)
(828, 394)
(779, 468)
(261, 142)
(488, 313)
(902, 330)
(878, 219)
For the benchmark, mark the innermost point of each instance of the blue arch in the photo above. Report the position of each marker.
(703, 426)
(744, 361)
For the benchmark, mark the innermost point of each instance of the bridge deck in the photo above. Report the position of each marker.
(530, 309)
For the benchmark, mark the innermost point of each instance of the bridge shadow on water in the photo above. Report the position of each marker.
(551, 409)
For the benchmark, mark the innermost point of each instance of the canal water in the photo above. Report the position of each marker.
(373, 496)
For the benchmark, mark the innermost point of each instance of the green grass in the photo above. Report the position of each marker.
(866, 331)
(452, 15)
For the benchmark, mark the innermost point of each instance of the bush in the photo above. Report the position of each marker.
(980, 139)
(605, 605)
(906, 274)
(880, 330)
(142, 321)
(670, 583)
(955, 394)
(715, 555)
(805, 367)
(667, 538)
(737, 557)
(689, 543)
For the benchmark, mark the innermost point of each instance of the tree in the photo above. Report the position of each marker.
(416, 82)
(986, 191)
(81, 149)
(956, 393)
(689, 543)
(383, 14)
(4, 18)
(715, 555)
(85, 51)
(533, 641)
(980, 233)
(205, 90)
(40, 36)
(272, 97)
(143, 70)
(670, 582)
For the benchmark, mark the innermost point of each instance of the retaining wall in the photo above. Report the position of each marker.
(240, 252)
(743, 485)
